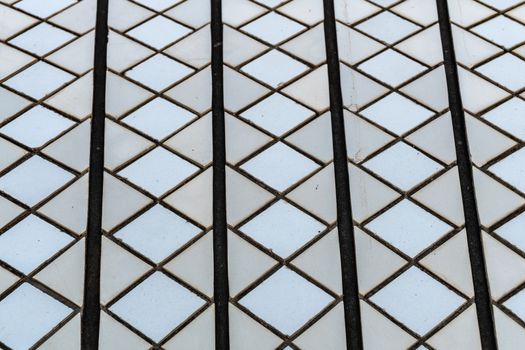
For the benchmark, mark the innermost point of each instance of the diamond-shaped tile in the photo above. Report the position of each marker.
(391, 67)
(159, 118)
(43, 9)
(512, 169)
(36, 126)
(148, 32)
(501, 4)
(49, 78)
(502, 31)
(159, 72)
(509, 117)
(30, 243)
(34, 180)
(286, 301)
(27, 314)
(387, 27)
(165, 170)
(42, 39)
(408, 227)
(403, 166)
(507, 70)
(397, 113)
(237, 12)
(274, 68)
(279, 166)
(283, 228)
(424, 46)
(157, 233)
(417, 300)
(124, 52)
(277, 114)
(157, 305)
(273, 28)
(512, 232)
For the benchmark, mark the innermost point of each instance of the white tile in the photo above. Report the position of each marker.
(391, 67)
(241, 139)
(13, 22)
(39, 80)
(408, 227)
(468, 12)
(159, 72)
(12, 59)
(387, 27)
(397, 113)
(36, 127)
(502, 31)
(423, 12)
(124, 52)
(508, 116)
(403, 166)
(508, 70)
(312, 89)
(273, 28)
(134, 14)
(286, 301)
(30, 243)
(501, 4)
(512, 169)
(43, 9)
(237, 12)
(28, 314)
(158, 5)
(424, 46)
(283, 228)
(34, 180)
(11, 153)
(157, 233)
(157, 306)
(11, 104)
(148, 32)
(351, 11)
(239, 47)
(274, 68)
(42, 39)
(8, 211)
(159, 118)
(165, 170)
(277, 114)
(279, 166)
(417, 300)
(512, 232)
(194, 13)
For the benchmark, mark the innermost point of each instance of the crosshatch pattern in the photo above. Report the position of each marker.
(46, 60)
(285, 286)
(488, 38)
(157, 266)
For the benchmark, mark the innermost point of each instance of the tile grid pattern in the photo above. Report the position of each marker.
(44, 141)
(402, 176)
(488, 42)
(157, 268)
(272, 236)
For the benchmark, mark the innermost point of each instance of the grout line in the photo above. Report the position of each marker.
(90, 322)
(220, 231)
(354, 338)
(472, 225)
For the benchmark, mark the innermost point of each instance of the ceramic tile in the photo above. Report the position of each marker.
(403, 166)
(502, 31)
(273, 28)
(157, 233)
(42, 39)
(157, 305)
(36, 127)
(387, 27)
(286, 301)
(146, 32)
(417, 300)
(283, 228)
(159, 72)
(27, 315)
(166, 170)
(42, 10)
(403, 226)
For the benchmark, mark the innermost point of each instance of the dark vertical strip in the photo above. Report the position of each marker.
(472, 225)
(220, 233)
(91, 311)
(354, 338)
